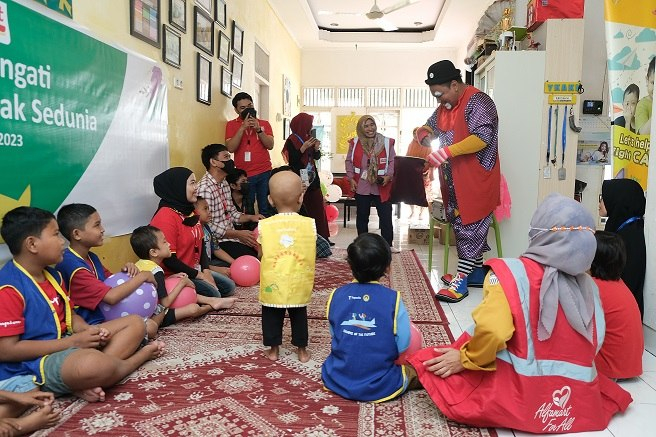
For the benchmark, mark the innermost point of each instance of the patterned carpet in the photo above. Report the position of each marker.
(214, 380)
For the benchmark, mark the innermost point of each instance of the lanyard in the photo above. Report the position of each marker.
(628, 222)
(564, 139)
(549, 136)
(555, 143)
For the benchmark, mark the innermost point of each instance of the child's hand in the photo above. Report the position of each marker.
(180, 275)
(9, 427)
(186, 282)
(105, 336)
(223, 270)
(37, 398)
(130, 269)
(90, 338)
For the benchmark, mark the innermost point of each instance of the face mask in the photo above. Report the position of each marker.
(229, 166)
(448, 105)
(245, 188)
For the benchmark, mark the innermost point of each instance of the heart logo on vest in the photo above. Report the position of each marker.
(560, 397)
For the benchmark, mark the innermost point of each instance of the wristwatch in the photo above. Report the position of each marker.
(259, 131)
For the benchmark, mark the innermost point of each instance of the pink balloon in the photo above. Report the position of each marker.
(416, 342)
(185, 297)
(331, 213)
(141, 301)
(245, 271)
(333, 228)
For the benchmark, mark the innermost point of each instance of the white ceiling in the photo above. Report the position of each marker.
(444, 23)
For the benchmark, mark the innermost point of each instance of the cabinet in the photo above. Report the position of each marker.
(515, 80)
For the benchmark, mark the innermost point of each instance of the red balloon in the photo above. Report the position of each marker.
(186, 297)
(416, 342)
(331, 213)
(245, 271)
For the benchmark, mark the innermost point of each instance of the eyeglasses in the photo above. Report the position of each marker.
(438, 94)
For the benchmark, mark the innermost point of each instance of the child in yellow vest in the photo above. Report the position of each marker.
(288, 243)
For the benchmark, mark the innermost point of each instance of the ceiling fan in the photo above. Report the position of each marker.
(376, 14)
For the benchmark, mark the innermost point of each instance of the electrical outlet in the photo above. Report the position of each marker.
(177, 83)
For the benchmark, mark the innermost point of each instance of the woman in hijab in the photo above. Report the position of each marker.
(370, 169)
(623, 202)
(175, 217)
(527, 363)
(301, 151)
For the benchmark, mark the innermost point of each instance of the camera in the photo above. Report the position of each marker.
(380, 180)
(248, 111)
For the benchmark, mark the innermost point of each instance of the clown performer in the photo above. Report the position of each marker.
(465, 125)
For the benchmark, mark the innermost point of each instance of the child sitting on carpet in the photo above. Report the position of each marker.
(287, 242)
(40, 335)
(370, 327)
(620, 355)
(218, 258)
(83, 272)
(150, 245)
(17, 394)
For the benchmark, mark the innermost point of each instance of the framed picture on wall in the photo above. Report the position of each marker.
(145, 21)
(206, 5)
(178, 14)
(237, 69)
(203, 79)
(203, 31)
(237, 39)
(226, 82)
(224, 48)
(171, 47)
(220, 13)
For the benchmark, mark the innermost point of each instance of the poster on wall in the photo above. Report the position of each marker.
(81, 120)
(631, 48)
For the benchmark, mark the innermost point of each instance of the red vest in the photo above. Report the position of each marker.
(544, 387)
(477, 189)
(383, 163)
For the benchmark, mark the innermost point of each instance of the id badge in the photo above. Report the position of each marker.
(247, 156)
(305, 178)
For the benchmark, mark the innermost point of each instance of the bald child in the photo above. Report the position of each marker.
(288, 244)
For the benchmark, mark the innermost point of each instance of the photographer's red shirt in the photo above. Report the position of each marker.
(260, 161)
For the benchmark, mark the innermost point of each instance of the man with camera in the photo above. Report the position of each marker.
(250, 140)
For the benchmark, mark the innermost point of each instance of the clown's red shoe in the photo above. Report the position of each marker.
(456, 291)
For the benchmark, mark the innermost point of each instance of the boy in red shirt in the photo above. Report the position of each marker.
(40, 335)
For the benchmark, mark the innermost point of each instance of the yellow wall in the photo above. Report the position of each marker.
(192, 125)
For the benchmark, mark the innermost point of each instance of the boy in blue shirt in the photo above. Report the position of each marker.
(40, 335)
(370, 327)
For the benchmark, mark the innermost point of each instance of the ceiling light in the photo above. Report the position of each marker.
(418, 23)
(334, 24)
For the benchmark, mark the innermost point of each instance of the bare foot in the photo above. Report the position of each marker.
(156, 349)
(44, 417)
(96, 394)
(272, 353)
(221, 303)
(303, 355)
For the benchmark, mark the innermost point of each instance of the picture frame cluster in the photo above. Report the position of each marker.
(206, 16)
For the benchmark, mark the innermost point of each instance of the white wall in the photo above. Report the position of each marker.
(369, 67)
(649, 290)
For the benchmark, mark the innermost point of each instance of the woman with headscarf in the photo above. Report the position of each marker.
(528, 361)
(301, 151)
(175, 217)
(370, 169)
(623, 202)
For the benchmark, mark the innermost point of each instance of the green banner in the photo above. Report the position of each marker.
(80, 120)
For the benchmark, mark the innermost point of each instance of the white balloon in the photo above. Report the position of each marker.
(326, 177)
(334, 192)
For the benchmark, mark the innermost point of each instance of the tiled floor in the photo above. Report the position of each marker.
(639, 418)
